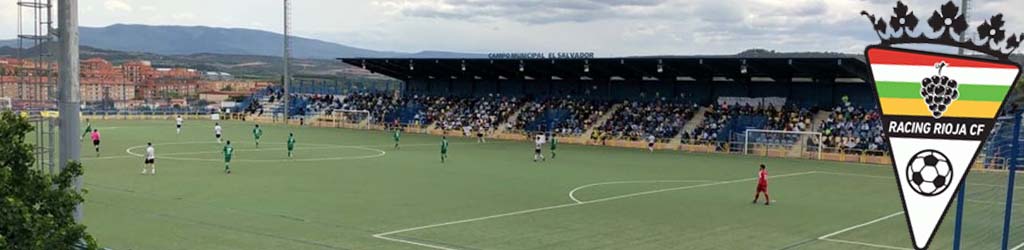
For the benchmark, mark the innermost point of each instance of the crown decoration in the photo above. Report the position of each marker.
(947, 27)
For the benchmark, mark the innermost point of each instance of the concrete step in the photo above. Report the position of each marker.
(801, 144)
(689, 126)
(502, 128)
(696, 121)
(608, 114)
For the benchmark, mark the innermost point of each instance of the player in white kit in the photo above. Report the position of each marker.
(537, 146)
(216, 131)
(650, 143)
(150, 159)
(177, 122)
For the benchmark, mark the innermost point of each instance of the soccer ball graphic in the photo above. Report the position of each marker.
(929, 172)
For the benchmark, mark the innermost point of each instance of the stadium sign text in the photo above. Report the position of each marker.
(937, 108)
(539, 55)
(936, 129)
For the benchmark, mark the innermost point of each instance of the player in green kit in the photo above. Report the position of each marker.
(554, 144)
(88, 128)
(257, 132)
(398, 135)
(291, 144)
(444, 148)
(228, 151)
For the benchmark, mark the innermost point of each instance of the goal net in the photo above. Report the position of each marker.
(988, 192)
(345, 117)
(779, 143)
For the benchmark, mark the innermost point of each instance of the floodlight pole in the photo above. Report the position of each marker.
(68, 91)
(958, 229)
(287, 93)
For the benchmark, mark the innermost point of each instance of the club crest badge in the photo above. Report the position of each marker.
(937, 109)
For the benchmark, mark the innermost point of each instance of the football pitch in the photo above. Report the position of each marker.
(350, 189)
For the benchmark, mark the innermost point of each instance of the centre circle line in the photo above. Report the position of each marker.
(377, 153)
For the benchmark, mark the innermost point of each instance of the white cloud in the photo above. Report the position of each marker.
(9, 17)
(117, 6)
(607, 27)
(183, 16)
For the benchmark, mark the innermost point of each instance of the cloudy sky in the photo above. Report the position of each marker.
(606, 27)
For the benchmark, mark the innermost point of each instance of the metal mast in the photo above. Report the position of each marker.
(68, 104)
(287, 61)
(965, 9)
(34, 74)
(960, 196)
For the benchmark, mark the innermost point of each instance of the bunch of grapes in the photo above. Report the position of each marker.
(938, 93)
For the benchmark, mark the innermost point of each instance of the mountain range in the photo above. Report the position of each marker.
(187, 40)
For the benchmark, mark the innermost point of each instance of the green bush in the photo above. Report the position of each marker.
(36, 209)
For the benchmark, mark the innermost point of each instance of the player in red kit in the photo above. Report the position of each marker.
(762, 186)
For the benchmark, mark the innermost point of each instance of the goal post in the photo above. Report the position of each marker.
(987, 206)
(781, 143)
(359, 118)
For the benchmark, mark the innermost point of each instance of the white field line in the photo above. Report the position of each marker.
(572, 194)
(133, 155)
(324, 146)
(867, 244)
(827, 236)
(1018, 247)
(378, 153)
(384, 235)
(253, 150)
(859, 226)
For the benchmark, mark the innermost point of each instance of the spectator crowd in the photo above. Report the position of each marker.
(637, 120)
(847, 127)
(850, 127)
(564, 117)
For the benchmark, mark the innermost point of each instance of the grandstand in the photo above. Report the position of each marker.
(704, 112)
(693, 103)
(687, 102)
(690, 103)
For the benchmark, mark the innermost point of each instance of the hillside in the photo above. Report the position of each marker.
(187, 40)
(247, 66)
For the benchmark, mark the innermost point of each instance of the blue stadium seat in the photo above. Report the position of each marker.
(547, 120)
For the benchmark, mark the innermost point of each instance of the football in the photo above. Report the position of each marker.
(929, 172)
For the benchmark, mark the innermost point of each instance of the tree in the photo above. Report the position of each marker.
(36, 209)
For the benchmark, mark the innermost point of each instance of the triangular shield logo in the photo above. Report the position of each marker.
(937, 110)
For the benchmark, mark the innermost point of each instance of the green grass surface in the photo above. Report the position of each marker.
(345, 186)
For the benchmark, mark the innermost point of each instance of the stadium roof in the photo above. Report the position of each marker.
(779, 69)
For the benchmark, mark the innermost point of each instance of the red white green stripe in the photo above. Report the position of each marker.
(982, 84)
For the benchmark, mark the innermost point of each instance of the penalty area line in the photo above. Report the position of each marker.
(1018, 247)
(827, 237)
(866, 244)
(384, 236)
(572, 193)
